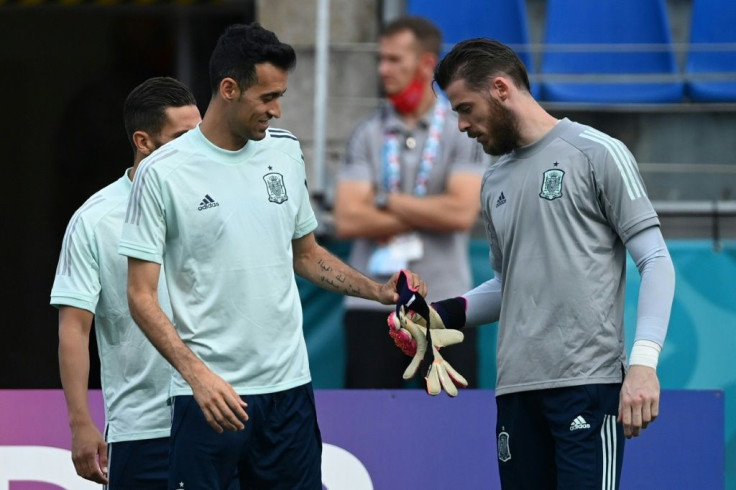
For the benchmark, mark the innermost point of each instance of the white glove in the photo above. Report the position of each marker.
(440, 374)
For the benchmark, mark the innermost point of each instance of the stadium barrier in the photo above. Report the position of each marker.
(383, 439)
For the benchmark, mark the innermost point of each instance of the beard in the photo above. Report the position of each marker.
(502, 128)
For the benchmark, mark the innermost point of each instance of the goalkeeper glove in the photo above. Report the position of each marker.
(440, 374)
(407, 296)
(448, 313)
(411, 329)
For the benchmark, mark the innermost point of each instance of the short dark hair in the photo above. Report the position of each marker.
(426, 33)
(240, 48)
(477, 60)
(145, 107)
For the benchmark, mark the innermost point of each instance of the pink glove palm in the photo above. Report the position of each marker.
(401, 336)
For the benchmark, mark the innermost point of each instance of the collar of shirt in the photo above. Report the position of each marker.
(392, 121)
(541, 143)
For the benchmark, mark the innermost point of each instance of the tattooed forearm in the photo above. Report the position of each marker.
(347, 289)
(324, 266)
(328, 271)
(330, 282)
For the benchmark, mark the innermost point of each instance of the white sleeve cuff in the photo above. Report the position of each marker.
(645, 353)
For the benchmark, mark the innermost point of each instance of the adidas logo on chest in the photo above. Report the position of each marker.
(501, 200)
(207, 203)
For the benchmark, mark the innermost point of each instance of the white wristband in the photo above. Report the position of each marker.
(645, 353)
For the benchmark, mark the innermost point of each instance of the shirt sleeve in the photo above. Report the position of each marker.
(483, 303)
(495, 252)
(621, 193)
(77, 279)
(306, 221)
(144, 229)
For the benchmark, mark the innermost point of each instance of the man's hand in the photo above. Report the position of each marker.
(404, 280)
(89, 453)
(407, 298)
(222, 407)
(638, 404)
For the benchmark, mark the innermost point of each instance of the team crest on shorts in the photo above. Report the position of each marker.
(552, 184)
(504, 451)
(275, 187)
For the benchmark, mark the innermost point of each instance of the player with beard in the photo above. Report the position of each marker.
(561, 207)
(407, 194)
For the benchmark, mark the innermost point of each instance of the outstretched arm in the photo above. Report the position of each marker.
(222, 407)
(316, 264)
(89, 449)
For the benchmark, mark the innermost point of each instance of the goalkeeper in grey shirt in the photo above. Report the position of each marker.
(561, 207)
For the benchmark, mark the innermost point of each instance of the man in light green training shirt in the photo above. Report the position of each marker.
(90, 282)
(226, 209)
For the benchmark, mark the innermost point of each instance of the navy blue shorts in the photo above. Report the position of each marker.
(140, 464)
(280, 447)
(560, 438)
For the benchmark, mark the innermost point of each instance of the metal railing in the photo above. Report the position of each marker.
(722, 216)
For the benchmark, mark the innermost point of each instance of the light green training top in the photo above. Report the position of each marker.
(222, 222)
(91, 275)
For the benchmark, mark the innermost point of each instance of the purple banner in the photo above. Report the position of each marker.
(406, 439)
(35, 440)
(382, 439)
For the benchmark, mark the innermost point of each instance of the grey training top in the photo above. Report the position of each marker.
(558, 213)
(445, 264)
